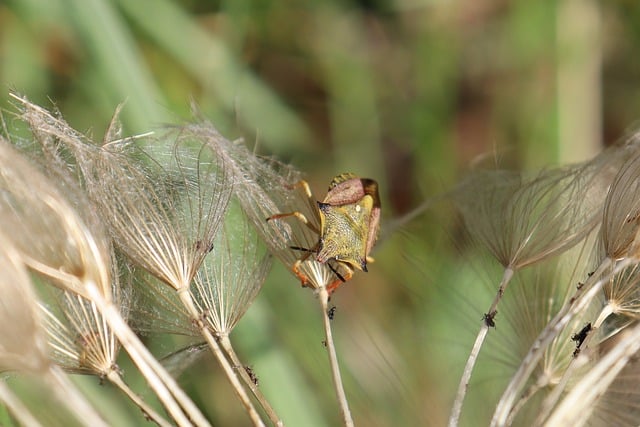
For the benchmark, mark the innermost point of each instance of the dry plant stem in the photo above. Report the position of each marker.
(577, 304)
(551, 400)
(68, 395)
(531, 391)
(148, 366)
(17, 409)
(454, 418)
(165, 387)
(578, 404)
(323, 296)
(115, 379)
(271, 413)
(187, 300)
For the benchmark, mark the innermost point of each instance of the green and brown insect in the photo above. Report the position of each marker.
(349, 222)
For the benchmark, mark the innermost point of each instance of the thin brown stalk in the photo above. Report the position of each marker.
(456, 410)
(54, 241)
(265, 187)
(148, 411)
(323, 297)
(250, 382)
(157, 311)
(187, 300)
(225, 287)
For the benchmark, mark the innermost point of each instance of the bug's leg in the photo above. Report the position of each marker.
(305, 186)
(298, 215)
(296, 270)
(346, 276)
(304, 257)
(332, 268)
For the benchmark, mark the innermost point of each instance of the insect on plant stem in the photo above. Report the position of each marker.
(488, 321)
(349, 219)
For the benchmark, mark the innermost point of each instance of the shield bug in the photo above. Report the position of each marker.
(349, 221)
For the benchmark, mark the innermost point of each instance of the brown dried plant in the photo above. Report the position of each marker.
(617, 256)
(57, 244)
(223, 289)
(23, 345)
(523, 221)
(266, 187)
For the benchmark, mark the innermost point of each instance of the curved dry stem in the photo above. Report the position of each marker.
(148, 412)
(621, 299)
(251, 383)
(487, 322)
(323, 297)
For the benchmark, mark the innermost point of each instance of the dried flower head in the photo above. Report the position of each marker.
(86, 246)
(79, 338)
(231, 276)
(265, 187)
(45, 228)
(223, 289)
(622, 293)
(525, 220)
(161, 210)
(622, 208)
(163, 218)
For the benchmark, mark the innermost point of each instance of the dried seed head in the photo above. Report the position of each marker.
(266, 187)
(224, 288)
(622, 208)
(231, 276)
(79, 339)
(163, 218)
(525, 220)
(622, 293)
(44, 227)
(162, 212)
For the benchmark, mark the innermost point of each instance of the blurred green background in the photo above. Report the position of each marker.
(409, 92)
